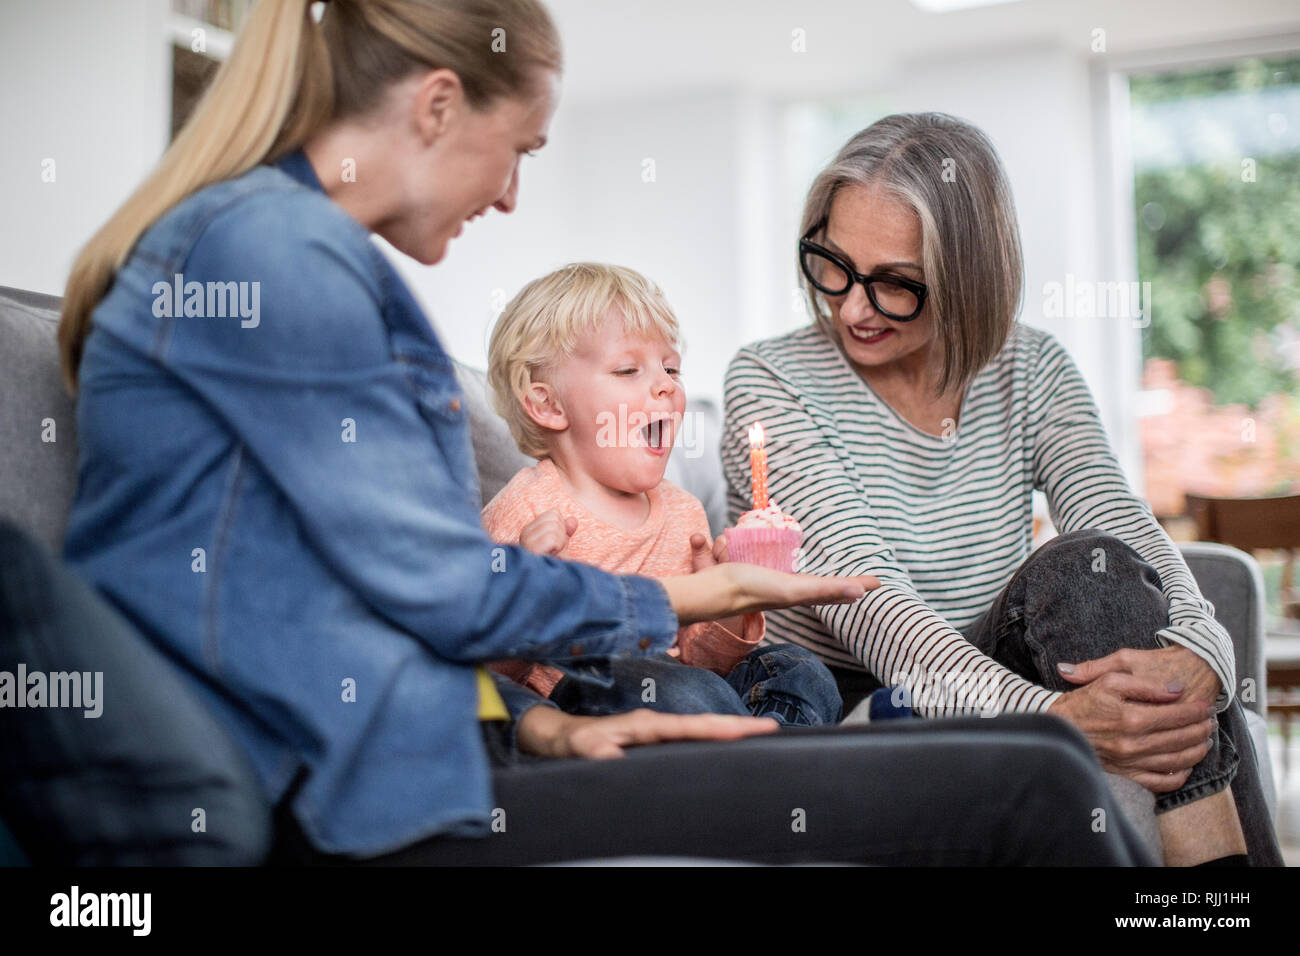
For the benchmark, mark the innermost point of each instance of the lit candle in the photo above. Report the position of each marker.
(758, 466)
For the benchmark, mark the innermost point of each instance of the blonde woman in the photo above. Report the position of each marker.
(276, 486)
(908, 427)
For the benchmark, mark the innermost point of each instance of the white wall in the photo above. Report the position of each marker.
(86, 83)
(703, 92)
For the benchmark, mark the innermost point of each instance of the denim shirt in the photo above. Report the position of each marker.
(276, 485)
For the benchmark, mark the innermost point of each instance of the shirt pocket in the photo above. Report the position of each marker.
(442, 405)
(436, 391)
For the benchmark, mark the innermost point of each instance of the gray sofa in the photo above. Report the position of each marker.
(37, 480)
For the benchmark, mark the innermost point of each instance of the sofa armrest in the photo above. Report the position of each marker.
(1230, 579)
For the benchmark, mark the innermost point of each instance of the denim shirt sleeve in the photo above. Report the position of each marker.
(312, 389)
(517, 698)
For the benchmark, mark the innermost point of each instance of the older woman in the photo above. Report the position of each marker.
(907, 428)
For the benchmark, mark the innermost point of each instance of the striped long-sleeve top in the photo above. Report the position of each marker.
(943, 522)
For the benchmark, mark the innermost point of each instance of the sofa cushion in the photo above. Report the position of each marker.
(37, 425)
(496, 455)
(127, 775)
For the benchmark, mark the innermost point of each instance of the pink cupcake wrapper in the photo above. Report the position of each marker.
(768, 547)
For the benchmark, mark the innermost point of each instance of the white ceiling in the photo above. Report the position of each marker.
(616, 48)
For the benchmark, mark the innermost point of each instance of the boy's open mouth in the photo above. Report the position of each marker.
(657, 436)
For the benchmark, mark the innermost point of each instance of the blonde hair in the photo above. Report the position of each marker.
(287, 77)
(544, 323)
(949, 173)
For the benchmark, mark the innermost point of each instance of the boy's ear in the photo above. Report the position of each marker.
(542, 405)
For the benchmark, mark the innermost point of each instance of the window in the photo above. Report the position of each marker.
(1216, 167)
(1216, 162)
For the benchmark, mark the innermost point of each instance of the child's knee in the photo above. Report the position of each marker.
(800, 666)
(788, 680)
(680, 689)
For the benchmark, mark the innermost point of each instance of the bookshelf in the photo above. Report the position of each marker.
(202, 33)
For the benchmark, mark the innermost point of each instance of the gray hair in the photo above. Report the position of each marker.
(949, 173)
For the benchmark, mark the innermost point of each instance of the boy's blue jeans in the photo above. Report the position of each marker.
(781, 681)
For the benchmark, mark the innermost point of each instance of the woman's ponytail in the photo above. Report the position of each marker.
(267, 99)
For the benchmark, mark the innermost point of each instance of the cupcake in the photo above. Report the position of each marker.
(765, 536)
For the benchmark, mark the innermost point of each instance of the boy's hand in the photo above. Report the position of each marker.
(702, 557)
(548, 533)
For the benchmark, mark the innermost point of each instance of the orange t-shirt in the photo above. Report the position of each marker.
(661, 547)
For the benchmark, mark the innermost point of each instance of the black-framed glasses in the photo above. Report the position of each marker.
(892, 296)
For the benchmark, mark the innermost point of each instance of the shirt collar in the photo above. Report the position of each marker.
(297, 166)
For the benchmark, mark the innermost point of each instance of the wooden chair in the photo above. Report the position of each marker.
(1253, 524)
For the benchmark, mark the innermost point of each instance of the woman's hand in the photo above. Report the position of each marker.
(548, 533)
(729, 589)
(548, 732)
(1140, 727)
(1172, 665)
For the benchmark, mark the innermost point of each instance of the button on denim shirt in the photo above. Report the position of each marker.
(276, 485)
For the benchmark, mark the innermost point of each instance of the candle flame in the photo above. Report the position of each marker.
(756, 437)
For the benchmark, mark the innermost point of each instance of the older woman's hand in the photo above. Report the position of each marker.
(1145, 727)
(734, 588)
(1173, 665)
(548, 732)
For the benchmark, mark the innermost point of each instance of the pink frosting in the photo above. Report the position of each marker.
(769, 517)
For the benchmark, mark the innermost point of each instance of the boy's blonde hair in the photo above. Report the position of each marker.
(549, 317)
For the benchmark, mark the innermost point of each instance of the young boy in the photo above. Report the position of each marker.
(584, 366)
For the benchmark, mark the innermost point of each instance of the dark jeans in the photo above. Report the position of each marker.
(781, 681)
(1022, 789)
(1057, 608)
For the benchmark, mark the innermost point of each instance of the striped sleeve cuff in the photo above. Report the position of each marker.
(1207, 640)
